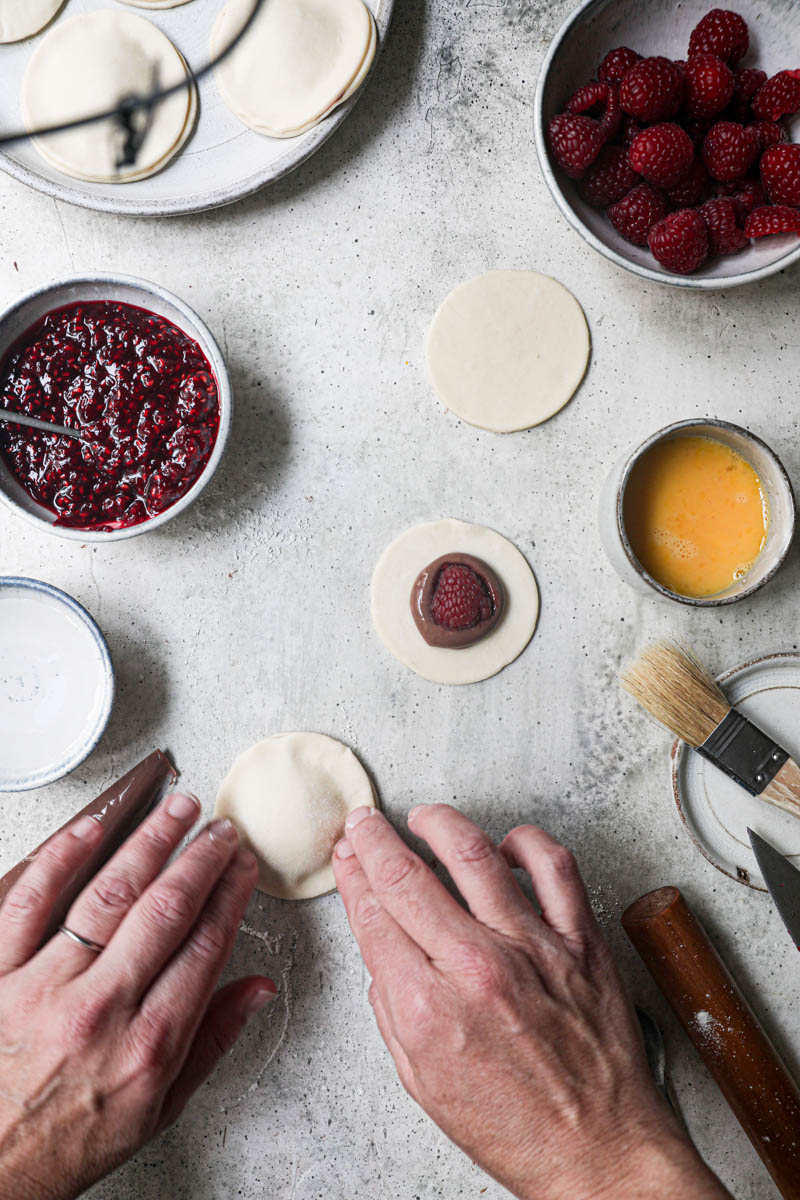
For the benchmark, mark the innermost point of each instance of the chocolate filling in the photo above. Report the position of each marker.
(422, 598)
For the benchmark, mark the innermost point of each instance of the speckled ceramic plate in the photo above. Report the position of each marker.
(715, 811)
(222, 161)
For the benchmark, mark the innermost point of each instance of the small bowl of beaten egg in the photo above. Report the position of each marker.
(702, 512)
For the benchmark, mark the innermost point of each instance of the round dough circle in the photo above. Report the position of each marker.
(23, 18)
(393, 580)
(507, 350)
(289, 797)
(87, 64)
(300, 60)
(155, 3)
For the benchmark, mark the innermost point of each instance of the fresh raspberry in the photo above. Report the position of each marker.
(780, 174)
(697, 129)
(749, 196)
(680, 241)
(609, 177)
(771, 219)
(720, 32)
(652, 90)
(746, 82)
(778, 97)
(575, 142)
(709, 86)
(598, 96)
(616, 63)
(662, 154)
(729, 150)
(724, 235)
(693, 190)
(635, 214)
(460, 598)
(769, 133)
(630, 128)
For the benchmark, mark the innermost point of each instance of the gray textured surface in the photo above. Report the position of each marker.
(249, 614)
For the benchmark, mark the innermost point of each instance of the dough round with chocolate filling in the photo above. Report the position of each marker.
(289, 797)
(23, 18)
(397, 572)
(507, 349)
(456, 601)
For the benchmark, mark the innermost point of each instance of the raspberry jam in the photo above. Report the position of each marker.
(140, 390)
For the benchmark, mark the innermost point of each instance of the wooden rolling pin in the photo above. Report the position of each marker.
(722, 1027)
(119, 809)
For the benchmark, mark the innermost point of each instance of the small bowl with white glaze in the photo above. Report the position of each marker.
(654, 27)
(56, 684)
(777, 490)
(21, 316)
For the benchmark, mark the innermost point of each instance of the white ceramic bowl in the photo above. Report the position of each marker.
(14, 321)
(657, 27)
(56, 684)
(774, 480)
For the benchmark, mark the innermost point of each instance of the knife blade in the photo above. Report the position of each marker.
(783, 881)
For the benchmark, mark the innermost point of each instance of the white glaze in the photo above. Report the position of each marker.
(55, 686)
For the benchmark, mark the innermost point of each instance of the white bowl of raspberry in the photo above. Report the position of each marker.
(138, 375)
(665, 134)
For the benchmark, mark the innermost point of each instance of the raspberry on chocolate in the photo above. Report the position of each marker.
(609, 177)
(616, 63)
(575, 142)
(635, 214)
(720, 32)
(780, 174)
(680, 241)
(662, 154)
(729, 150)
(652, 90)
(778, 97)
(709, 86)
(772, 219)
(724, 234)
(456, 601)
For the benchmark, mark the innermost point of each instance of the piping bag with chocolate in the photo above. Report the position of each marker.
(119, 809)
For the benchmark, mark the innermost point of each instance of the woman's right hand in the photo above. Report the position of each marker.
(100, 1051)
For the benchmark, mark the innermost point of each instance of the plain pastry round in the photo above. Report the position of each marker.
(289, 797)
(394, 578)
(87, 64)
(507, 350)
(155, 3)
(299, 60)
(22, 18)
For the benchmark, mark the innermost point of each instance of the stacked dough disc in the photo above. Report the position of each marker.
(87, 64)
(299, 61)
(22, 18)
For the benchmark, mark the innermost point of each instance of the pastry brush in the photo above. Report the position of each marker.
(675, 688)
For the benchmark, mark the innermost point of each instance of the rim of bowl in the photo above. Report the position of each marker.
(694, 282)
(660, 435)
(45, 777)
(209, 346)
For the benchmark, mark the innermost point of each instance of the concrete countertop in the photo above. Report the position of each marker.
(249, 614)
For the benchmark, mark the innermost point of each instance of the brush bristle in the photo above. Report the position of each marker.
(677, 690)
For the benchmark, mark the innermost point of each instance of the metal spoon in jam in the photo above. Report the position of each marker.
(456, 600)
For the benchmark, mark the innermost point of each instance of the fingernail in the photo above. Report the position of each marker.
(343, 849)
(415, 811)
(86, 829)
(222, 831)
(182, 806)
(357, 816)
(258, 1000)
(246, 860)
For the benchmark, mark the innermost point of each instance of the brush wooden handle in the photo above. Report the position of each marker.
(119, 809)
(722, 1027)
(784, 790)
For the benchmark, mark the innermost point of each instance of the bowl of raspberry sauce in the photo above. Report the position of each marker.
(663, 28)
(139, 375)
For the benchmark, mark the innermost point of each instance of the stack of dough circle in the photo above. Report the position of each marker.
(155, 3)
(22, 18)
(87, 64)
(394, 578)
(298, 61)
(507, 349)
(289, 797)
